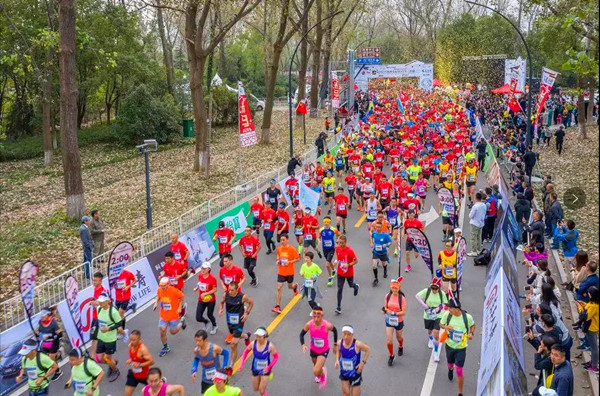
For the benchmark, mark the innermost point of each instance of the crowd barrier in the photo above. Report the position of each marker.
(195, 228)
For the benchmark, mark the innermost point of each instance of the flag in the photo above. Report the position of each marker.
(71, 290)
(513, 104)
(548, 78)
(335, 90)
(301, 109)
(400, 106)
(369, 112)
(29, 271)
(118, 259)
(246, 125)
(419, 239)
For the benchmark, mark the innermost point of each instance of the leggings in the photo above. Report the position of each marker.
(210, 309)
(340, 284)
(269, 241)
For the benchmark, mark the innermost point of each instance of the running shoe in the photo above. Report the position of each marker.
(57, 375)
(450, 374)
(436, 354)
(276, 309)
(183, 323)
(165, 349)
(385, 272)
(214, 329)
(247, 340)
(396, 252)
(391, 361)
(323, 379)
(408, 268)
(400, 351)
(295, 289)
(114, 375)
(356, 289)
(126, 336)
(319, 253)
(229, 338)
(344, 231)
(333, 273)
(184, 309)
(269, 251)
(97, 359)
(430, 344)
(330, 281)
(586, 365)
(317, 379)
(591, 369)
(375, 282)
(338, 310)
(133, 307)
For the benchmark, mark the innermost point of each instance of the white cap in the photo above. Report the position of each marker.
(25, 349)
(219, 376)
(205, 264)
(261, 332)
(164, 280)
(348, 328)
(103, 298)
(457, 230)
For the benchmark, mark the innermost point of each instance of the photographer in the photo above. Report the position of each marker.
(543, 363)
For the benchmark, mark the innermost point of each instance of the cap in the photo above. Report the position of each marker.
(164, 281)
(272, 181)
(307, 210)
(85, 218)
(45, 311)
(205, 264)
(104, 297)
(221, 224)
(261, 332)
(219, 377)
(347, 329)
(26, 348)
(282, 204)
(457, 230)
(453, 303)
(397, 281)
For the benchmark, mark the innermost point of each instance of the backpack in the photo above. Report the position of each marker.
(86, 370)
(38, 363)
(429, 292)
(464, 316)
(110, 315)
(483, 258)
(389, 295)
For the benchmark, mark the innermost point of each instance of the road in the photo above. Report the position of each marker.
(412, 374)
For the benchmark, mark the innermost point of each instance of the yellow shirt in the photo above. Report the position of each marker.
(328, 159)
(329, 184)
(471, 173)
(592, 313)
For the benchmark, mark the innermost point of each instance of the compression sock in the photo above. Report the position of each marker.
(300, 247)
(375, 273)
(401, 343)
(390, 348)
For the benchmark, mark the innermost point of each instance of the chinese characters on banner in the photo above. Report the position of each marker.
(515, 72)
(247, 132)
(548, 78)
(335, 91)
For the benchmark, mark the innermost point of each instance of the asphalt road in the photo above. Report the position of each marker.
(293, 372)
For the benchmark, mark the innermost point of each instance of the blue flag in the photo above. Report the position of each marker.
(400, 107)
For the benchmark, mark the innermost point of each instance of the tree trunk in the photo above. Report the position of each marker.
(590, 110)
(81, 108)
(166, 49)
(47, 93)
(326, 60)
(303, 65)
(265, 133)
(316, 66)
(581, 124)
(68, 111)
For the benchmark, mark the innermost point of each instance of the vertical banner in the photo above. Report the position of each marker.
(29, 271)
(248, 135)
(515, 72)
(447, 201)
(419, 239)
(548, 78)
(335, 91)
(460, 163)
(71, 296)
(461, 258)
(309, 198)
(117, 260)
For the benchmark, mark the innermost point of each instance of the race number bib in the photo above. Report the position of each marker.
(378, 248)
(392, 320)
(457, 336)
(202, 287)
(308, 237)
(31, 373)
(222, 240)
(283, 261)
(173, 281)
(210, 373)
(328, 243)
(121, 284)
(165, 306)
(318, 342)
(233, 318)
(341, 208)
(227, 279)
(260, 364)
(248, 248)
(347, 364)
(372, 213)
(79, 386)
(449, 271)
(177, 256)
(309, 283)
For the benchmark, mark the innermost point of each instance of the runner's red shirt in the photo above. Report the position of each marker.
(125, 279)
(269, 216)
(411, 204)
(179, 250)
(224, 236)
(233, 274)
(249, 245)
(206, 284)
(256, 210)
(172, 270)
(344, 256)
(341, 204)
(385, 190)
(351, 182)
(310, 221)
(283, 220)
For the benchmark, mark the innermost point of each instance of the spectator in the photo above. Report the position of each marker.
(522, 213)
(568, 235)
(535, 228)
(327, 124)
(537, 254)
(560, 138)
(320, 142)
(477, 221)
(591, 328)
(579, 272)
(491, 204)
(562, 382)
(530, 158)
(87, 243)
(543, 363)
(566, 339)
(293, 163)
(528, 193)
(97, 229)
(481, 153)
(590, 280)
(545, 328)
(555, 215)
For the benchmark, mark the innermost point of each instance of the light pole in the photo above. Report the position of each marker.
(530, 64)
(145, 149)
(291, 96)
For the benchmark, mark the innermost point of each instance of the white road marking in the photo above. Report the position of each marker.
(429, 376)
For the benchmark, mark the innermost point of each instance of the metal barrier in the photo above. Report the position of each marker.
(50, 292)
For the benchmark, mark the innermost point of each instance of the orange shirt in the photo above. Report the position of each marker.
(169, 301)
(285, 254)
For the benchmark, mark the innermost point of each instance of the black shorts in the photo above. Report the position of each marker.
(256, 223)
(236, 330)
(249, 261)
(328, 254)
(444, 279)
(384, 202)
(359, 193)
(315, 355)
(410, 246)
(108, 348)
(399, 327)
(426, 176)
(124, 305)
(204, 386)
(446, 221)
(285, 278)
(456, 356)
(339, 168)
(311, 242)
(354, 381)
(471, 184)
(381, 257)
(432, 324)
(342, 216)
(134, 382)
(329, 194)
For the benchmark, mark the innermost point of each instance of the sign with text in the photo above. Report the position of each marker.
(248, 135)
(419, 239)
(367, 52)
(117, 260)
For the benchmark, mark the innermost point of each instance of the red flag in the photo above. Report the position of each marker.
(248, 135)
(514, 105)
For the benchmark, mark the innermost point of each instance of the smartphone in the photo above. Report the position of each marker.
(527, 288)
(527, 328)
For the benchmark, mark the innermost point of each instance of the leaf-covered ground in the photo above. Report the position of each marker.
(577, 167)
(33, 223)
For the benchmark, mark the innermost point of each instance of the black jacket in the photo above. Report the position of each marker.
(292, 164)
(522, 209)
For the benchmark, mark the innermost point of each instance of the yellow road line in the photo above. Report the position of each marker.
(361, 220)
(273, 325)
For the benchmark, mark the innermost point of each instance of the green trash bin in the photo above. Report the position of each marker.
(188, 128)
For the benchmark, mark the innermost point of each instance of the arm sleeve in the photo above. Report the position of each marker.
(225, 354)
(195, 364)
(302, 334)
(335, 334)
(421, 301)
(244, 356)
(273, 362)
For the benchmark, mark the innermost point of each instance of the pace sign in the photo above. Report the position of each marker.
(368, 56)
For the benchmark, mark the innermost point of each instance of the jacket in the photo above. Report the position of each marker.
(555, 212)
(86, 237)
(591, 280)
(536, 226)
(542, 362)
(568, 238)
(522, 210)
(562, 382)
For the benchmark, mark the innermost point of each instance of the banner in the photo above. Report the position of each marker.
(200, 245)
(448, 203)
(460, 163)
(461, 258)
(548, 78)
(512, 319)
(234, 218)
(521, 66)
(248, 135)
(71, 289)
(419, 239)
(117, 260)
(335, 91)
(309, 198)
(515, 72)
(29, 271)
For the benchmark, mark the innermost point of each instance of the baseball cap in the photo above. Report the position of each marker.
(282, 204)
(205, 264)
(221, 224)
(85, 218)
(45, 311)
(220, 377)
(104, 297)
(164, 281)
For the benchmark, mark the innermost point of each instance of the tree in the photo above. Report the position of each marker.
(68, 111)
(316, 62)
(166, 48)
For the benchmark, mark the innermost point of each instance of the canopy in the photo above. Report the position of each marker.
(437, 83)
(505, 89)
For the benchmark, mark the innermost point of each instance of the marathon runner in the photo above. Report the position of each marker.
(327, 235)
(392, 214)
(256, 210)
(231, 273)
(342, 204)
(237, 306)
(339, 164)
(249, 246)
(350, 361)
(38, 367)
(380, 242)
(180, 251)
(310, 225)
(318, 329)
(329, 189)
(125, 282)
(49, 334)
(269, 219)
(221, 386)
(420, 189)
(262, 364)
(394, 309)
(157, 387)
(447, 262)
(287, 256)
(310, 272)
(283, 222)
(171, 301)
(98, 290)
(351, 182)
(207, 297)
(470, 174)
(109, 321)
(346, 259)
(293, 189)
(273, 194)
(413, 222)
(207, 358)
(433, 301)
(225, 237)
(372, 206)
(175, 270)
(298, 227)
(139, 363)
(86, 374)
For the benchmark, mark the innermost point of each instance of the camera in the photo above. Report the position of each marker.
(527, 288)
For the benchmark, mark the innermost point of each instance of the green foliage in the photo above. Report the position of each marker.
(225, 106)
(143, 116)
(245, 62)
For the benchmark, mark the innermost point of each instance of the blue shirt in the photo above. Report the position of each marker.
(381, 241)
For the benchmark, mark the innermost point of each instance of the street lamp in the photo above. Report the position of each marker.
(291, 97)
(145, 149)
(530, 64)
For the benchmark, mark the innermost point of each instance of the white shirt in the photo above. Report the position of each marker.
(477, 214)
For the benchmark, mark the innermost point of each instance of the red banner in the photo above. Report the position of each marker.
(247, 132)
(335, 91)
(513, 104)
(548, 78)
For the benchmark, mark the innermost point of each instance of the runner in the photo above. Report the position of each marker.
(394, 309)
(231, 273)
(287, 256)
(298, 227)
(109, 321)
(329, 189)
(158, 387)
(342, 204)
(310, 225)
(97, 291)
(414, 170)
(171, 302)
(345, 260)
(125, 282)
(249, 247)
(174, 270)
(433, 301)
(411, 221)
(207, 297)
(49, 334)
(392, 213)
(316, 187)
(412, 203)
(269, 218)
(372, 206)
(447, 224)
(225, 237)
(384, 191)
(421, 186)
(237, 306)
(318, 329)
(310, 272)
(460, 327)
(86, 374)
(221, 386)
(180, 251)
(262, 365)
(351, 183)
(39, 368)
(256, 210)
(350, 361)
(293, 189)
(470, 173)
(327, 235)
(339, 164)
(447, 262)
(273, 194)
(139, 363)
(380, 242)
(207, 357)
(283, 222)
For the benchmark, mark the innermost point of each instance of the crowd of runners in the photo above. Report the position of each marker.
(408, 144)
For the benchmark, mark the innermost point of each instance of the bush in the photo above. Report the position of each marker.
(144, 117)
(225, 106)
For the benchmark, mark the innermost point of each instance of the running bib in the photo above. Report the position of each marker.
(121, 284)
(457, 336)
(350, 187)
(471, 178)
(79, 386)
(233, 318)
(308, 237)
(420, 190)
(309, 283)
(31, 373)
(136, 369)
(431, 313)
(202, 287)
(449, 271)
(327, 243)
(378, 248)
(173, 281)
(227, 279)
(341, 208)
(384, 191)
(271, 199)
(318, 342)
(47, 344)
(177, 256)
(391, 320)
(392, 221)
(260, 364)
(165, 307)
(255, 213)
(372, 213)
(249, 248)
(222, 240)
(298, 231)
(210, 373)
(283, 261)
(347, 364)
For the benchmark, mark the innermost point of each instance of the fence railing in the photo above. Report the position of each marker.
(51, 292)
